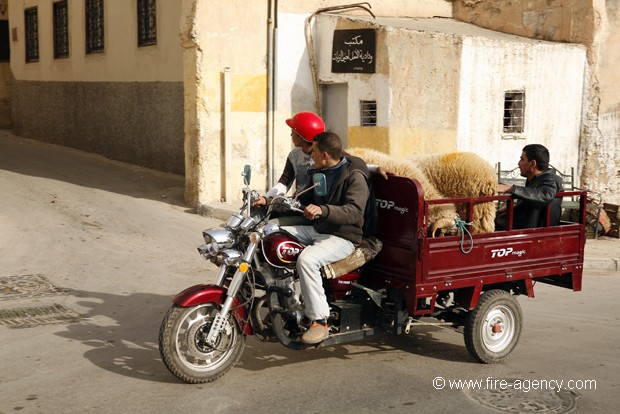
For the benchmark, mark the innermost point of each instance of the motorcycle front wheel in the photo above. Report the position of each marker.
(183, 347)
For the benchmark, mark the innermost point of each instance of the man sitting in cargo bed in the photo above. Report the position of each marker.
(539, 191)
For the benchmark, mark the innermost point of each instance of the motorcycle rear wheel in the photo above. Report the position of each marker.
(183, 348)
(493, 327)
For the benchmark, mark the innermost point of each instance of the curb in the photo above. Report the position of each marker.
(609, 265)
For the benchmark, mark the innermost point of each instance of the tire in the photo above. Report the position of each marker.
(497, 310)
(184, 351)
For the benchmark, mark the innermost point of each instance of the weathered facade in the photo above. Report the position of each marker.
(99, 90)
(243, 78)
(595, 24)
(5, 68)
(441, 85)
(212, 94)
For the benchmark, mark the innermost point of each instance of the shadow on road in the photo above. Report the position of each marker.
(260, 356)
(122, 333)
(39, 159)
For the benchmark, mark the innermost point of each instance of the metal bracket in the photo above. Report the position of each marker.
(374, 295)
(219, 324)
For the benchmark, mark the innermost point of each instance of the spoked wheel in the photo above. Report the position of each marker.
(493, 327)
(183, 347)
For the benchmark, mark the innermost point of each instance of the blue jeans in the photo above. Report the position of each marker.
(321, 249)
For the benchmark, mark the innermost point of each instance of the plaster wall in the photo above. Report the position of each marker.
(595, 24)
(440, 84)
(122, 60)
(424, 79)
(226, 87)
(411, 66)
(125, 103)
(5, 79)
(604, 151)
(5, 95)
(551, 76)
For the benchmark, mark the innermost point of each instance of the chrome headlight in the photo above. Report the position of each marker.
(216, 240)
(234, 221)
(247, 224)
(230, 257)
(223, 237)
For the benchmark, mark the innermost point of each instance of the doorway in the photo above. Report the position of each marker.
(335, 109)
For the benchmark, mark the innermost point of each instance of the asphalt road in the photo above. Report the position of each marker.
(91, 252)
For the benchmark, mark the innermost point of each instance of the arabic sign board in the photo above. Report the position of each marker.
(354, 51)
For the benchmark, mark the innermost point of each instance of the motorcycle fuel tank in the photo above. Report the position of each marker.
(281, 250)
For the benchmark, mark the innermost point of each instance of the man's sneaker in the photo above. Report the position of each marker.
(315, 334)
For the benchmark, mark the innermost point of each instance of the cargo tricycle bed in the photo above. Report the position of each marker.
(464, 279)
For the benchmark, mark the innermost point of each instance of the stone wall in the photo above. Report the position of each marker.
(135, 122)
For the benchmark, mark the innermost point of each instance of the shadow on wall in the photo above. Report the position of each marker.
(5, 95)
(302, 97)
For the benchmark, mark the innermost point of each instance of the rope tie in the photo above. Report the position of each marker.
(461, 226)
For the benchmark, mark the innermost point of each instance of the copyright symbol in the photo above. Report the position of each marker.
(439, 383)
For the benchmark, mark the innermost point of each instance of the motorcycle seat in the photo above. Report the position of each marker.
(366, 251)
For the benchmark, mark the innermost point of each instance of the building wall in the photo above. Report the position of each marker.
(412, 65)
(440, 84)
(5, 79)
(5, 95)
(425, 80)
(227, 86)
(552, 76)
(125, 103)
(595, 24)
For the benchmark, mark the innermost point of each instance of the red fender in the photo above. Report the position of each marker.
(201, 294)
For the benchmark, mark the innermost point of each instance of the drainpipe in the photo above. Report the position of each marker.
(310, 43)
(227, 164)
(272, 27)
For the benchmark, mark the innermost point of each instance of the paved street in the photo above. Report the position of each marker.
(92, 250)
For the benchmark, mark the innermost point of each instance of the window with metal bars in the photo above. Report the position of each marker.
(514, 112)
(147, 22)
(61, 30)
(368, 112)
(94, 26)
(32, 34)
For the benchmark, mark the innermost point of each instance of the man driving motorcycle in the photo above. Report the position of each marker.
(336, 225)
(304, 127)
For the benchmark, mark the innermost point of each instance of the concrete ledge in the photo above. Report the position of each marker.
(220, 212)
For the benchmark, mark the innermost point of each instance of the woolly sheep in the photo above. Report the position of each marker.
(452, 175)
(463, 174)
(440, 216)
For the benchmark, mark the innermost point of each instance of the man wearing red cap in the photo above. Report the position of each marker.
(304, 127)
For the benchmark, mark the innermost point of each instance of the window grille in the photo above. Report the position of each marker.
(94, 26)
(147, 22)
(368, 113)
(32, 35)
(61, 30)
(514, 112)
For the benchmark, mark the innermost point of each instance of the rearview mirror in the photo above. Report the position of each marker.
(320, 184)
(247, 174)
